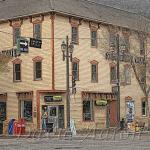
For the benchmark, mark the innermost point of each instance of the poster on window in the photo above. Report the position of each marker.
(130, 111)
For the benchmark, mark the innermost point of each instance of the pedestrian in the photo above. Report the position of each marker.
(44, 119)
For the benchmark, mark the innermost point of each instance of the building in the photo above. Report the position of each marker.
(36, 80)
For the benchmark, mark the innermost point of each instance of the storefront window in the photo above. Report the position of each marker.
(88, 110)
(130, 111)
(2, 111)
(26, 107)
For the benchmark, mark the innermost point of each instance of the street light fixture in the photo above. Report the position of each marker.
(67, 50)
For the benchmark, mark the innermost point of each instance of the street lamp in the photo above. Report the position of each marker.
(67, 50)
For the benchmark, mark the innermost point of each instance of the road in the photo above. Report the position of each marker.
(82, 143)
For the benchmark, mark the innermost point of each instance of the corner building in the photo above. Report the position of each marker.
(36, 79)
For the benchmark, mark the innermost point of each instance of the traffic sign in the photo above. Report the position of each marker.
(36, 43)
(23, 45)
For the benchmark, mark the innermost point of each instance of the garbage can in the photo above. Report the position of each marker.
(11, 126)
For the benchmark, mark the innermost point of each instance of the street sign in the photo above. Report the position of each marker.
(36, 43)
(23, 45)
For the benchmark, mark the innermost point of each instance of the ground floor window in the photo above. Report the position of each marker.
(26, 110)
(143, 108)
(130, 111)
(88, 110)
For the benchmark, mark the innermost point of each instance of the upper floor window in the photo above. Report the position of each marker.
(16, 34)
(37, 68)
(37, 30)
(75, 69)
(94, 71)
(112, 39)
(127, 72)
(75, 37)
(93, 38)
(113, 73)
(17, 70)
(142, 47)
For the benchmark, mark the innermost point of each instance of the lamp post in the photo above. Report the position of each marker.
(67, 50)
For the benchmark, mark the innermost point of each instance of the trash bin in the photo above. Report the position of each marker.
(19, 127)
(5, 127)
(11, 126)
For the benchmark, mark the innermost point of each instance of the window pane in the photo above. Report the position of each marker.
(94, 72)
(75, 35)
(38, 70)
(93, 38)
(17, 72)
(112, 40)
(37, 31)
(87, 110)
(113, 73)
(143, 108)
(16, 34)
(75, 71)
(127, 75)
(142, 47)
(27, 110)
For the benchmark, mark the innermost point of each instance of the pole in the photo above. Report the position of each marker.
(67, 85)
(118, 80)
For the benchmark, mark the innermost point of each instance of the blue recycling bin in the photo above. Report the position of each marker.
(11, 126)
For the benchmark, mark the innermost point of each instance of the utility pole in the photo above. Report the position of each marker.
(118, 79)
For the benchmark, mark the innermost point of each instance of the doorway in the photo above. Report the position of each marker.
(112, 114)
(55, 119)
(2, 115)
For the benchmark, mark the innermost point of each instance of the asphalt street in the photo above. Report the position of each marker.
(78, 143)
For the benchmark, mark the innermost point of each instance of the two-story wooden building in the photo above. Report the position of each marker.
(36, 80)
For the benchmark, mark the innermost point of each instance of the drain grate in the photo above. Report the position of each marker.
(71, 148)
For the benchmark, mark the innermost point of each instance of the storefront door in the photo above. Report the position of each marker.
(55, 117)
(112, 114)
(2, 115)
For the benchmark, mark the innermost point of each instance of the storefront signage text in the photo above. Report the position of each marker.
(51, 98)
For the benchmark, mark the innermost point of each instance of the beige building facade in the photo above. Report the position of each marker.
(38, 83)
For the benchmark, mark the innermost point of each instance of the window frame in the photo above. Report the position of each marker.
(17, 62)
(76, 42)
(35, 60)
(35, 71)
(145, 109)
(142, 46)
(15, 39)
(75, 60)
(127, 67)
(93, 38)
(94, 62)
(34, 34)
(21, 115)
(91, 111)
(112, 81)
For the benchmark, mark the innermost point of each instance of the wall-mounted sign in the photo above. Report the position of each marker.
(36, 43)
(101, 102)
(52, 98)
(125, 57)
(10, 53)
